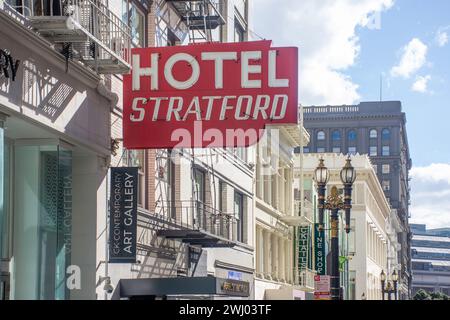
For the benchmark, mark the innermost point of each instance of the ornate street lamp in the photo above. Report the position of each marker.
(334, 203)
(391, 285)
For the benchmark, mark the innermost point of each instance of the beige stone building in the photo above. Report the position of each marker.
(368, 245)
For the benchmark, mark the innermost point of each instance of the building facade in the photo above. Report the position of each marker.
(379, 130)
(55, 147)
(196, 216)
(277, 222)
(364, 251)
(430, 259)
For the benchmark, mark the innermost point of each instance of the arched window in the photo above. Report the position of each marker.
(320, 135)
(386, 134)
(352, 135)
(373, 134)
(336, 136)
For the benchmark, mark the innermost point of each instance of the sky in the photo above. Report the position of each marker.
(347, 46)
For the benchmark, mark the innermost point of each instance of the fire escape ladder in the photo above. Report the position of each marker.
(200, 16)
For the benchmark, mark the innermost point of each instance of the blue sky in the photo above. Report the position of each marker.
(346, 45)
(427, 113)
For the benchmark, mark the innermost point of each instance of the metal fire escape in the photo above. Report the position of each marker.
(200, 16)
(190, 221)
(82, 30)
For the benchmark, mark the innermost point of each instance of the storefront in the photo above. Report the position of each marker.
(181, 288)
(54, 149)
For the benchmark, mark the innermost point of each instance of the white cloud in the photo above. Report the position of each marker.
(441, 38)
(325, 32)
(414, 57)
(421, 84)
(430, 195)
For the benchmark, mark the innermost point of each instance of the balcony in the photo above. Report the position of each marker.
(306, 280)
(82, 30)
(302, 217)
(196, 223)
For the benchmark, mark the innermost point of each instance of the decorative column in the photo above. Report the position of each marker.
(275, 269)
(282, 260)
(267, 254)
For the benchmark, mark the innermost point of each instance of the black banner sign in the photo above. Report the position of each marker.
(123, 215)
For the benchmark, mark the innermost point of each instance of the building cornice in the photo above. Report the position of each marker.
(35, 43)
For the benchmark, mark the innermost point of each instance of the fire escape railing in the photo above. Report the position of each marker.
(198, 216)
(95, 34)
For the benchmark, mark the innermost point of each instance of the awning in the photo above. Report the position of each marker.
(159, 287)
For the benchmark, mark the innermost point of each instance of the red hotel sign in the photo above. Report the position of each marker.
(208, 95)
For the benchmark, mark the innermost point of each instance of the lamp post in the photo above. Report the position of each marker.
(389, 286)
(334, 203)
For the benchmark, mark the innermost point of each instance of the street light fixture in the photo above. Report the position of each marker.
(391, 285)
(334, 203)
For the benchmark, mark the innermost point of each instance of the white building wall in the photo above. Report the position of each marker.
(72, 109)
(370, 211)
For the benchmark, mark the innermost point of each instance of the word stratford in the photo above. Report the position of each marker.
(231, 86)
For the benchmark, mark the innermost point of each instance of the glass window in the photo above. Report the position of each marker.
(5, 212)
(199, 196)
(336, 136)
(375, 168)
(386, 185)
(239, 215)
(136, 158)
(305, 149)
(321, 135)
(373, 151)
(386, 169)
(135, 19)
(238, 31)
(336, 150)
(42, 222)
(386, 151)
(386, 134)
(352, 135)
(352, 150)
(373, 134)
(320, 150)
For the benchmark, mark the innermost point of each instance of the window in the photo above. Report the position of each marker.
(224, 228)
(171, 184)
(336, 136)
(351, 150)
(386, 169)
(42, 239)
(199, 192)
(386, 134)
(134, 17)
(336, 150)
(373, 134)
(373, 151)
(386, 151)
(320, 150)
(321, 135)
(386, 185)
(352, 135)
(136, 158)
(375, 168)
(305, 149)
(239, 215)
(238, 31)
